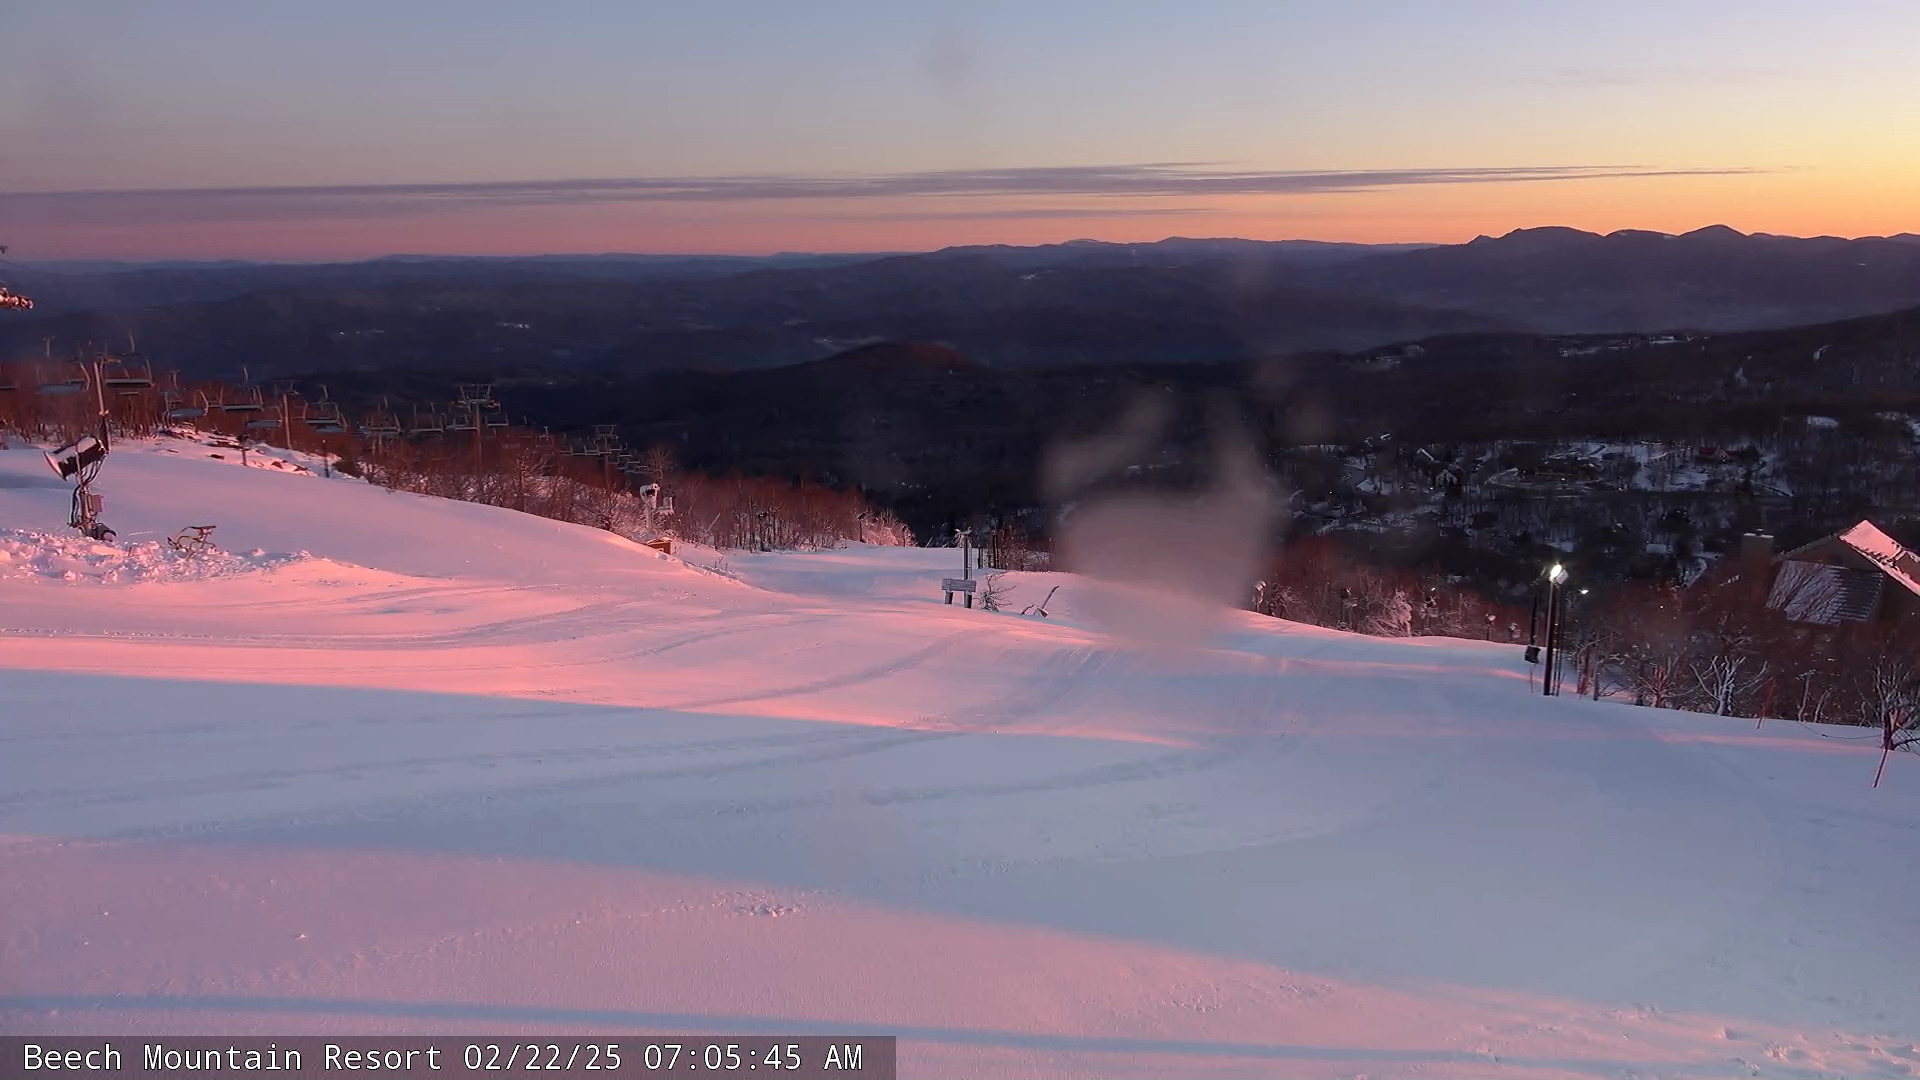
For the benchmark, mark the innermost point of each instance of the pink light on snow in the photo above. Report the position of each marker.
(222, 938)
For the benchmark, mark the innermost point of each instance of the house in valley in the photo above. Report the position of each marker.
(1857, 576)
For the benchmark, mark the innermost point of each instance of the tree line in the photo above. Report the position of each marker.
(511, 466)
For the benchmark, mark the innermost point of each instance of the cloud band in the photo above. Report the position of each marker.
(1142, 181)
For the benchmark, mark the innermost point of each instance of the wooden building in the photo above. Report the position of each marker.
(1860, 575)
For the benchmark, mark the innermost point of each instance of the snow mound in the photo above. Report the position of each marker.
(29, 554)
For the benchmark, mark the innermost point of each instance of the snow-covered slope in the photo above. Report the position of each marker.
(395, 763)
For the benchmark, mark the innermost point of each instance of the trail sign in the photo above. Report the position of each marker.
(965, 585)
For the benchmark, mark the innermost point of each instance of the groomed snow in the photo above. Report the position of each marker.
(404, 764)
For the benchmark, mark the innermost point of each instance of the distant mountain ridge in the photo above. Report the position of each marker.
(936, 434)
(1559, 280)
(1178, 300)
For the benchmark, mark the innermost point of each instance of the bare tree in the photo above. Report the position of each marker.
(1889, 689)
(1815, 693)
(1389, 615)
(1010, 547)
(1724, 681)
(993, 597)
(658, 463)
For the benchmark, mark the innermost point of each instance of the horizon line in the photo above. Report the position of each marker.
(880, 253)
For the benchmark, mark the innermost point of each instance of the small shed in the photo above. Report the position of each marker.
(1859, 575)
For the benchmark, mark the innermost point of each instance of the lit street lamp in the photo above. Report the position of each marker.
(1556, 577)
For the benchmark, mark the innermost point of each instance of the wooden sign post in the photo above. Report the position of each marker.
(964, 583)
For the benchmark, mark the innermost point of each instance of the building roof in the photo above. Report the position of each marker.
(1821, 593)
(1887, 553)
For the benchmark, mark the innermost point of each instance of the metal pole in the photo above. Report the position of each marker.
(1561, 616)
(1553, 612)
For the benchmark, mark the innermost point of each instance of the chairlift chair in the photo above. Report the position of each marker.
(462, 421)
(382, 424)
(66, 378)
(173, 400)
(427, 423)
(324, 415)
(191, 412)
(126, 374)
(249, 401)
(266, 419)
(497, 419)
(170, 407)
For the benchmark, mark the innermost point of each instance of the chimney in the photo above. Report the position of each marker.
(1756, 547)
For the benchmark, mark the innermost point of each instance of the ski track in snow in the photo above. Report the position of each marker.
(414, 765)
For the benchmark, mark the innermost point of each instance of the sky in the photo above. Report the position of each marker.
(224, 129)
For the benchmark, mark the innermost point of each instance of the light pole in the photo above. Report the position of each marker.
(1556, 576)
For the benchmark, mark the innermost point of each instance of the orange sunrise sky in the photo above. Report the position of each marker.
(234, 130)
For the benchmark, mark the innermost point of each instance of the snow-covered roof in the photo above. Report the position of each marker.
(1883, 551)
